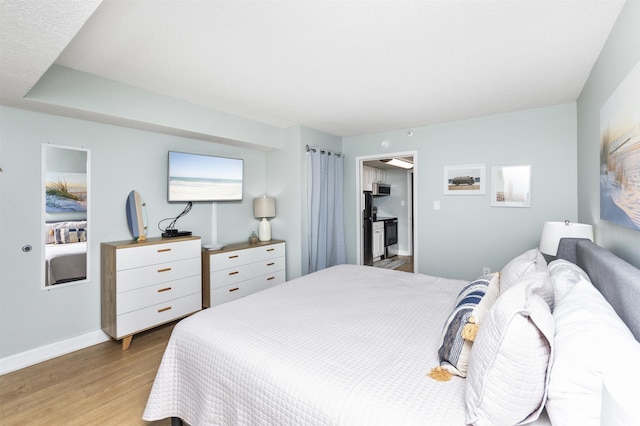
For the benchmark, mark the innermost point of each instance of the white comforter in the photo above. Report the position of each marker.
(349, 345)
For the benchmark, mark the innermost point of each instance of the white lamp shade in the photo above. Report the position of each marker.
(264, 207)
(552, 232)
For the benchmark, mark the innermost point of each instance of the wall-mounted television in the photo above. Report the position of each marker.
(199, 177)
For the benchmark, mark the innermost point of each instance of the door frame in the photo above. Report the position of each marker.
(413, 202)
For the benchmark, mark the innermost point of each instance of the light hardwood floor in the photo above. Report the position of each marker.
(98, 385)
(408, 266)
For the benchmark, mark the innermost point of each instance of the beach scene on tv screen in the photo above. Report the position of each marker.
(204, 178)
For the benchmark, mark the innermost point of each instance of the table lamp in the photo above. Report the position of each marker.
(264, 207)
(553, 231)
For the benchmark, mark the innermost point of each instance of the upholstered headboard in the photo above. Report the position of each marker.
(617, 280)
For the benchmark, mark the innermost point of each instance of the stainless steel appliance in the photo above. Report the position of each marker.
(390, 232)
(367, 228)
(378, 189)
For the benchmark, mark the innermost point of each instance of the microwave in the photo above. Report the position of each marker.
(380, 188)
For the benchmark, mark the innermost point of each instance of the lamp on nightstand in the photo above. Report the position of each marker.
(552, 232)
(264, 207)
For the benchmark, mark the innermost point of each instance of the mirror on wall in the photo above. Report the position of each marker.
(65, 215)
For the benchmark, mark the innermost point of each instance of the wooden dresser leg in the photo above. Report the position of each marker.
(126, 342)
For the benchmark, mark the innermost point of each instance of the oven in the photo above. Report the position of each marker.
(390, 232)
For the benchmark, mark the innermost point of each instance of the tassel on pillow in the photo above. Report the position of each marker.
(470, 330)
(440, 374)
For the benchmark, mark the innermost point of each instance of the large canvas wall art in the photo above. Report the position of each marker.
(620, 154)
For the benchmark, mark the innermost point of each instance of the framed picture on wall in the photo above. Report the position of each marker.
(511, 186)
(465, 179)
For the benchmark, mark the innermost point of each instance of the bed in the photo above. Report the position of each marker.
(65, 263)
(65, 252)
(355, 345)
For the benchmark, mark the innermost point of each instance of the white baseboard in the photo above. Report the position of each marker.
(43, 353)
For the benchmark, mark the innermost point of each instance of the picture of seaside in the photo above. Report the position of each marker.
(511, 186)
(620, 154)
(65, 192)
(195, 189)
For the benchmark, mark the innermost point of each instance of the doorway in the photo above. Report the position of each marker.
(399, 204)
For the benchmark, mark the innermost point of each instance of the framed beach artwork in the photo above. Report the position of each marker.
(65, 192)
(511, 186)
(465, 179)
(620, 154)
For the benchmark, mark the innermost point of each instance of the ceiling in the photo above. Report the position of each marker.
(343, 67)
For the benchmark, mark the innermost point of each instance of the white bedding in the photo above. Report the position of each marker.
(65, 262)
(349, 345)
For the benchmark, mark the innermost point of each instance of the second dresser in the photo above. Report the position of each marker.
(240, 269)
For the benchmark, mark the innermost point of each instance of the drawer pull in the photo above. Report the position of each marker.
(271, 278)
(163, 250)
(234, 256)
(234, 289)
(271, 249)
(233, 273)
(271, 264)
(164, 270)
(164, 309)
(164, 289)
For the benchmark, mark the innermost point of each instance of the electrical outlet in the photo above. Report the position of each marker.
(486, 270)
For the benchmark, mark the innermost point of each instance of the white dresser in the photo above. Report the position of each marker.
(148, 283)
(241, 269)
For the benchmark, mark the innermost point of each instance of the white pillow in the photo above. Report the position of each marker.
(530, 261)
(590, 338)
(489, 299)
(564, 275)
(510, 358)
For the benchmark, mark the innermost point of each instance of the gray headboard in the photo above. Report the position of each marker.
(617, 280)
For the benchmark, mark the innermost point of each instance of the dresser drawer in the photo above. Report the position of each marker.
(231, 292)
(231, 276)
(130, 279)
(268, 266)
(136, 256)
(268, 252)
(230, 259)
(143, 319)
(160, 293)
(269, 280)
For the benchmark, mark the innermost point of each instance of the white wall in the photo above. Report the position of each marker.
(467, 233)
(619, 55)
(122, 159)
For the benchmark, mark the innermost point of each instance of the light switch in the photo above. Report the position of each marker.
(402, 203)
(436, 205)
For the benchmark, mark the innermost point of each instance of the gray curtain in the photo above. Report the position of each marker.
(325, 208)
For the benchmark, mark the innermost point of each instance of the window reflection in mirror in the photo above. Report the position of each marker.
(65, 192)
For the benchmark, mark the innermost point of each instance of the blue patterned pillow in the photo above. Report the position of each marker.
(65, 236)
(455, 350)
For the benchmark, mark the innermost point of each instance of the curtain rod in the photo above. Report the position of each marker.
(322, 151)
